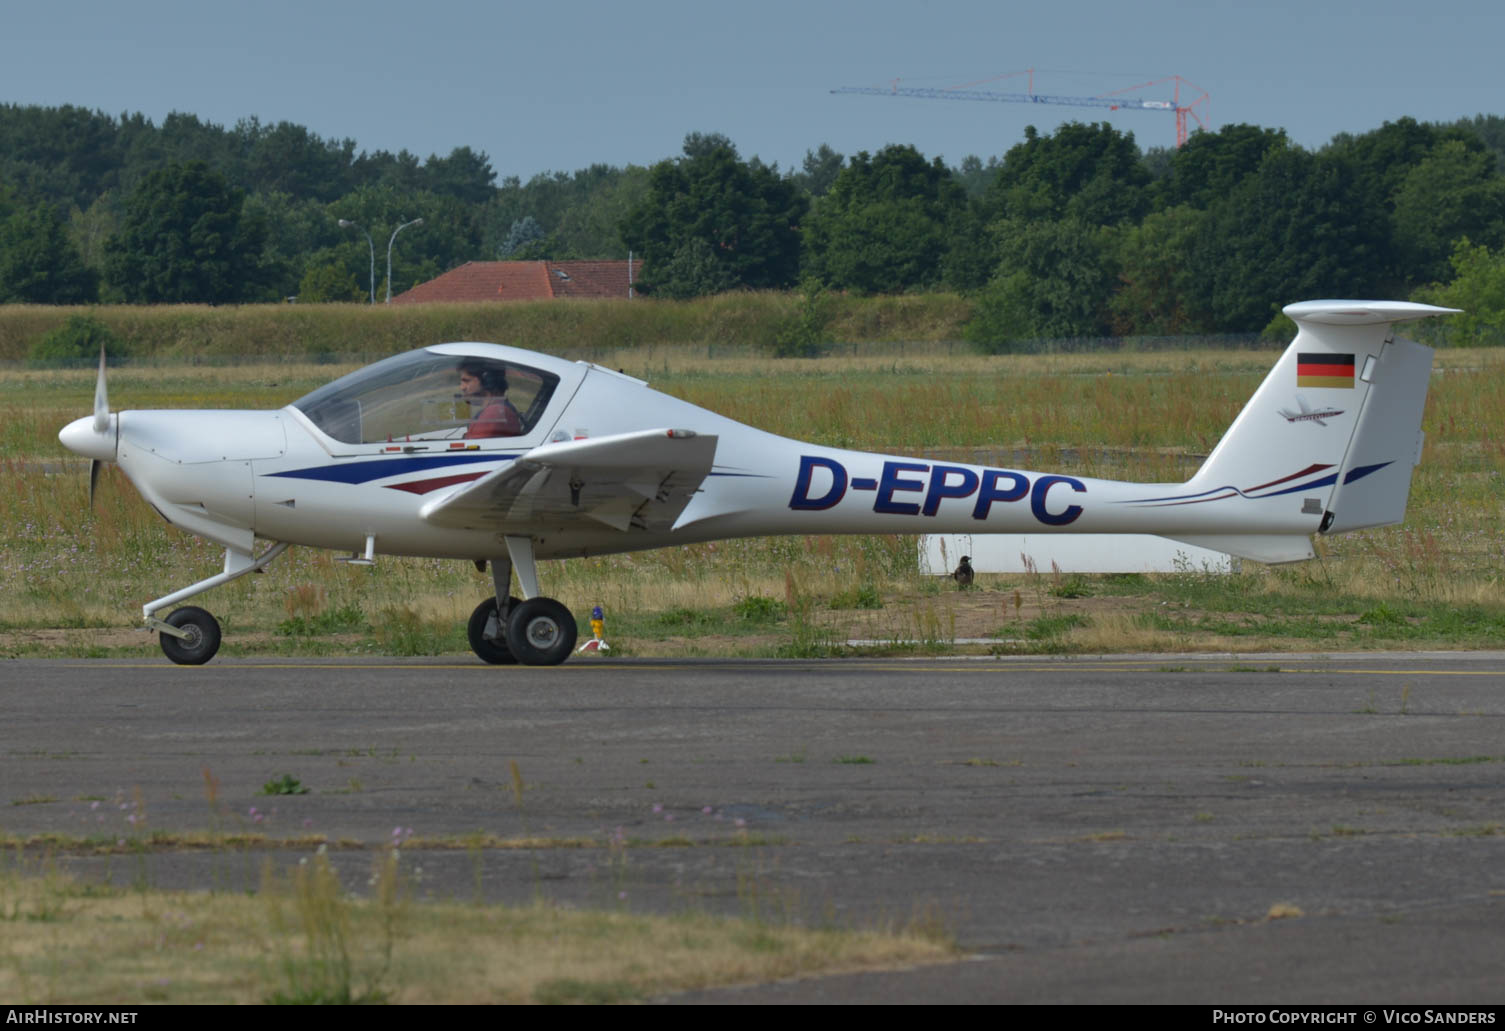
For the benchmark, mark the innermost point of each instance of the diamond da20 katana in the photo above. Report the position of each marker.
(503, 456)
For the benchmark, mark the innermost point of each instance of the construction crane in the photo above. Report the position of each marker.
(1115, 101)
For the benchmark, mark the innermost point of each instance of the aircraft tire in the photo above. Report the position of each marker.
(490, 649)
(541, 632)
(203, 640)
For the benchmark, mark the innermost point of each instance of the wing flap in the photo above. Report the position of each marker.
(643, 479)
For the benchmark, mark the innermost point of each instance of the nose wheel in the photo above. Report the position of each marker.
(200, 638)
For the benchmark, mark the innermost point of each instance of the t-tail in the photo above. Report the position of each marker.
(1330, 438)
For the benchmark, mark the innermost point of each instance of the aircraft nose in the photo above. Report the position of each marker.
(80, 437)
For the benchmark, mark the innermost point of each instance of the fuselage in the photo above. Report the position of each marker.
(305, 474)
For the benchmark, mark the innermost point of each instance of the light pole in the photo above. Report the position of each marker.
(415, 222)
(345, 223)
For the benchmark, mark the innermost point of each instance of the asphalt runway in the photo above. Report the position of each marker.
(1235, 829)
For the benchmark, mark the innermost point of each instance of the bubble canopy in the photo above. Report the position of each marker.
(418, 396)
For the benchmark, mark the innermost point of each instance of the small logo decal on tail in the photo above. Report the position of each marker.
(1322, 369)
(1309, 414)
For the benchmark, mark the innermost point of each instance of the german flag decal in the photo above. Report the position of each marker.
(1324, 370)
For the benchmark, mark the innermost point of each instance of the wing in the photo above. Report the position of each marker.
(640, 480)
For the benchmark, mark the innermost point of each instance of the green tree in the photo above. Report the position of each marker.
(91, 229)
(466, 175)
(1157, 287)
(183, 239)
(1292, 231)
(1087, 173)
(287, 158)
(297, 230)
(886, 223)
(580, 213)
(447, 237)
(819, 170)
(743, 211)
(65, 155)
(1478, 287)
(1451, 194)
(78, 341)
(974, 176)
(1054, 281)
(525, 232)
(590, 226)
(694, 270)
(38, 262)
(1210, 164)
(1382, 158)
(329, 282)
(1490, 129)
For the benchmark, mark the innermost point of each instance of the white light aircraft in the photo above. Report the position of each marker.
(503, 456)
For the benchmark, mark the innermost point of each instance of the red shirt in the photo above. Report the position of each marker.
(497, 419)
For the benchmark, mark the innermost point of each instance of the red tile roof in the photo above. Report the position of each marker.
(523, 281)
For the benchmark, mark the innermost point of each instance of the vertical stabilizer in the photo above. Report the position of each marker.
(1333, 431)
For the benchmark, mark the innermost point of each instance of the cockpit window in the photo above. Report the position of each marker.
(425, 396)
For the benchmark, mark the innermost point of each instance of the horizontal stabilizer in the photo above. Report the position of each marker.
(1273, 548)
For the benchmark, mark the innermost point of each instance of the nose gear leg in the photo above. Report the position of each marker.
(237, 565)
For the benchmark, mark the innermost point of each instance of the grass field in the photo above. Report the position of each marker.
(303, 938)
(72, 581)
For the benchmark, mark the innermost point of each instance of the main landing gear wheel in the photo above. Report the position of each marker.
(541, 632)
(488, 636)
(202, 640)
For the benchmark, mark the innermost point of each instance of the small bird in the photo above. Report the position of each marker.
(963, 574)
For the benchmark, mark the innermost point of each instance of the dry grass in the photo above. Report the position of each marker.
(305, 939)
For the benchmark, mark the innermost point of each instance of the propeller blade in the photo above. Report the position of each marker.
(93, 480)
(101, 400)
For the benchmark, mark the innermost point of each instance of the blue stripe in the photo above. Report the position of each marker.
(1325, 481)
(381, 468)
(1177, 497)
(1364, 470)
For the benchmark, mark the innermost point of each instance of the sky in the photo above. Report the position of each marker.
(556, 86)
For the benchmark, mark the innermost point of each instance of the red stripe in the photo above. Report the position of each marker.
(424, 486)
(1294, 476)
(1313, 369)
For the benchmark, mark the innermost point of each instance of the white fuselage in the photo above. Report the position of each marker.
(234, 475)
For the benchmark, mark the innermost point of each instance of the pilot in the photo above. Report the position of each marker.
(484, 387)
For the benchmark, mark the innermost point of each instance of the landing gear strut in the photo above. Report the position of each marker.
(190, 636)
(503, 629)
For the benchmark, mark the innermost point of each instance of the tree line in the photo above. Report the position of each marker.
(1078, 232)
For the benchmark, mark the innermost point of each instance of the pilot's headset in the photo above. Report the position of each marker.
(493, 379)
